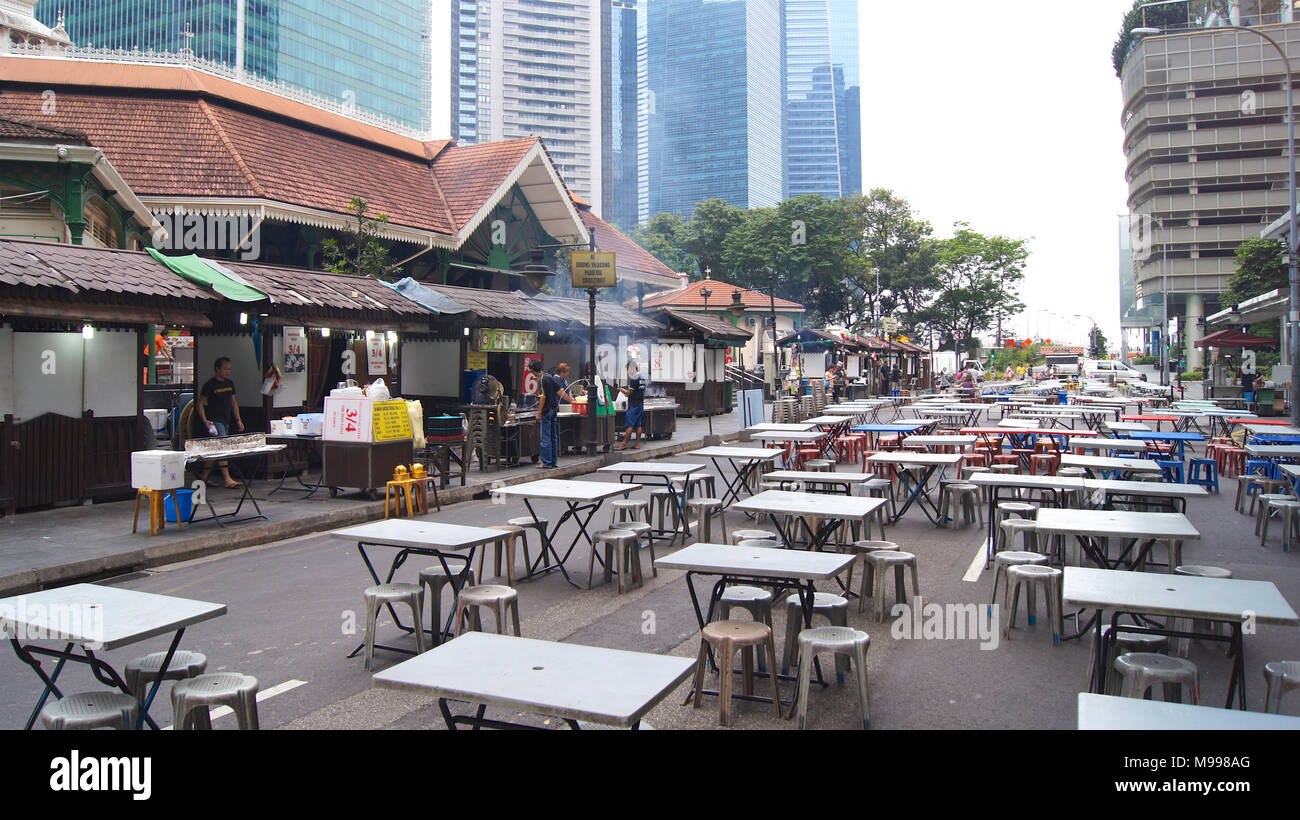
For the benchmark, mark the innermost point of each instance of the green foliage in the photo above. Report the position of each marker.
(1192, 376)
(1096, 344)
(1015, 357)
(1261, 267)
(704, 236)
(977, 277)
(663, 236)
(1176, 14)
(1146, 360)
(360, 252)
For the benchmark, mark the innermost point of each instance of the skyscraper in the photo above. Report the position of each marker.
(374, 56)
(823, 134)
(532, 68)
(716, 103)
(623, 70)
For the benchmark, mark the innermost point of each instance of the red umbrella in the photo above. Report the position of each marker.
(1235, 338)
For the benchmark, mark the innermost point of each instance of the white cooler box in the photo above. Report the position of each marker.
(158, 469)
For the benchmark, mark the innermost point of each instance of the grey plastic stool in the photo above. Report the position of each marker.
(1010, 528)
(1183, 645)
(92, 710)
(746, 535)
(1029, 575)
(819, 465)
(757, 602)
(833, 608)
(1011, 509)
(1124, 642)
(540, 526)
(881, 561)
(881, 488)
(626, 510)
(645, 536)
(141, 672)
(435, 577)
(619, 545)
(665, 509)
(376, 596)
(766, 543)
(1281, 677)
(1288, 511)
(846, 643)
(507, 543)
(193, 699)
(1173, 553)
(500, 598)
(1262, 500)
(1142, 670)
(966, 499)
(1013, 558)
(868, 570)
(726, 637)
(706, 509)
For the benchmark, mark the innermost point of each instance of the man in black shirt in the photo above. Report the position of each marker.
(219, 410)
(635, 392)
(553, 389)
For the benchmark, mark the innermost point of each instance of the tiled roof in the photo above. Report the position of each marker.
(711, 325)
(11, 129)
(49, 270)
(468, 175)
(301, 291)
(544, 311)
(628, 253)
(690, 297)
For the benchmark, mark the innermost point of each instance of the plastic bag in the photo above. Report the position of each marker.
(416, 411)
(378, 391)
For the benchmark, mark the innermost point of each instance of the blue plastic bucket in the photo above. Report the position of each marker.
(1060, 397)
(184, 499)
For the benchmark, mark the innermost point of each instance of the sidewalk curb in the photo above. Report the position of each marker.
(235, 538)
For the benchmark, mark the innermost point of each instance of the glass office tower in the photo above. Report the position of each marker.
(823, 130)
(623, 72)
(373, 55)
(716, 103)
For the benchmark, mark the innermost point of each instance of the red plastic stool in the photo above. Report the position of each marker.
(847, 449)
(1044, 464)
(974, 459)
(1006, 459)
(803, 454)
(1234, 461)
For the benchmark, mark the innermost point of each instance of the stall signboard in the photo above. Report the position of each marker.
(475, 361)
(497, 340)
(391, 421)
(592, 269)
(532, 385)
(376, 356)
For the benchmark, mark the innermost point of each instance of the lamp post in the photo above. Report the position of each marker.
(708, 411)
(1293, 274)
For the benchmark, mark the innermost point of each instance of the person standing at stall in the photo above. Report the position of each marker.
(635, 392)
(218, 411)
(553, 389)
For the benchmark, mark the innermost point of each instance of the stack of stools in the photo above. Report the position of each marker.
(500, 598)
(193, 699)
(410, 594)
(1006, 559)
(833, 608)
(92, 710)
(1009, 509)
(845, 643)
(1281, 677)
(1044, 463)
(1232, 461)
(1252, 485)
(1143, 670)
(1030, 575)
(880, 562)
(726, 637)
(1182, 645)
(975, 459)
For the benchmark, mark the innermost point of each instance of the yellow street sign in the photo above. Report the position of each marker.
(592, 269)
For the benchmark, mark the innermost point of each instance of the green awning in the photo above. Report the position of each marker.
(196, 270)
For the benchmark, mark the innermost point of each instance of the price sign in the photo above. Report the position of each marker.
(390, 421)
(376, 356)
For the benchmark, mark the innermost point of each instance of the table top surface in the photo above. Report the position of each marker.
(1126, 426)
(1292, 470)
(737, 452)
(558, 488)
(98, 616)
(818, 504)
(810, 475)
(1106, 712)
(1029, 481)
(783, 427)
(1145, 436)
(1270, 429)
(768, 562)
(845, 411)
(893, 427)
(1020, 431)
(294, 437)
(1132, 445)
(1185, 596)
(1273, 450)
(825, 420)
(241, 453)
(1117, 523)
(607, 686)
(939, 441)
(1128, 465)
(1162, 489)
(400, 532)
(664, 468)
(927, 459)
(777, 435)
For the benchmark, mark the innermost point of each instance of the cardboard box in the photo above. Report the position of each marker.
(347, 419)
(157, 469)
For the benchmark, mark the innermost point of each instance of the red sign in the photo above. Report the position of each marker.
(532, 381)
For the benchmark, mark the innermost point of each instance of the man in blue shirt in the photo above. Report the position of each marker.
(553, 389)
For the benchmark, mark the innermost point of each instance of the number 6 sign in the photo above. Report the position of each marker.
(532, 381)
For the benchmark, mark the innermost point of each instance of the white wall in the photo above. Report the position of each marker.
(112, 372)
(47, 370)
(294, 392)
(430, 368)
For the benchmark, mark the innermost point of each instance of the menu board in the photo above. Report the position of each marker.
(390, 421)
(497, 340)
(475, 361)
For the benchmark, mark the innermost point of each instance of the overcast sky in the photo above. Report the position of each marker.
(1006, 115)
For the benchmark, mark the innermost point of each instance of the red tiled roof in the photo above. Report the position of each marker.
(690, 297)
(470, 174)
(628, 253)
(21, 130)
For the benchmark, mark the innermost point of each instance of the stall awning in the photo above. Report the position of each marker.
(710, 327)
(1235, 338)
(200, 272)
(428, 297)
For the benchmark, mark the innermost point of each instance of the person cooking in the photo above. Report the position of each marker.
(553, 389)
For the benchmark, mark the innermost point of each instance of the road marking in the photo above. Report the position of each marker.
(977, 565)
(287, 686)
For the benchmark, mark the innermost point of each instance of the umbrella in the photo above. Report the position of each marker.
(1235, 338)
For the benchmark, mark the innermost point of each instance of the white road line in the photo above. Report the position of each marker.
(977, 565)
(289, 685)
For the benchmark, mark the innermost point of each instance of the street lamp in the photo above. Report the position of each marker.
(1293, 275)
(708, 412)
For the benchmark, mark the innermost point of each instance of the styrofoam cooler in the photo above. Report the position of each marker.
(311, 424)
(157, 469)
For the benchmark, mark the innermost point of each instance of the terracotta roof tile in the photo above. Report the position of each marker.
(470, 174)
(327, 292)
(690, 297)
(22, 130)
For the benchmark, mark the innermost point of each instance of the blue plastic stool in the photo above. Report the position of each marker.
(1172, 469)
(1254, 465)
(1203, 471)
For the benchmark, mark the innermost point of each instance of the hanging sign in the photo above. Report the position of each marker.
(295, 350)
(532, 381)
(497, 340)
(376, 356)
(592, 269)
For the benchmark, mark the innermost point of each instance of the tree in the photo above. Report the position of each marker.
(663, 237)
(977, 277)
(705, 235)
(896, 256)
(1261, 267)
(360, 253)
(1156, 16)
(1096, 343)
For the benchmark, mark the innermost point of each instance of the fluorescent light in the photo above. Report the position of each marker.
(243, 318)
(392, 336)
(87, 331)
(370, 334)
(550, 332)
(466, 331)
(325, 333)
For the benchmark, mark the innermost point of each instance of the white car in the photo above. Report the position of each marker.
(1111, 371)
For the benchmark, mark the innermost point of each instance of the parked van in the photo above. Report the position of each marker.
(1111, 371)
